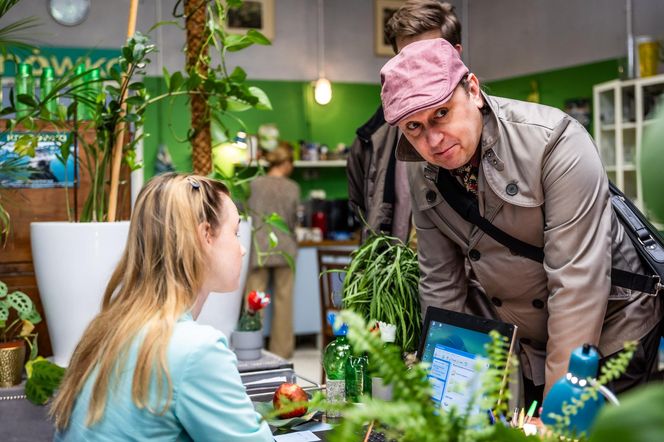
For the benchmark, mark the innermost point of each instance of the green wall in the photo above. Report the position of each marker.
(300, 118)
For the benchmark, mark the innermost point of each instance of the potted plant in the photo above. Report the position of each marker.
(18, 317)
(381, 284)
(113, 103)
(247, 339)
(412, 415)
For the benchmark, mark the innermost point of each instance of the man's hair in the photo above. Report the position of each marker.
(418, 16)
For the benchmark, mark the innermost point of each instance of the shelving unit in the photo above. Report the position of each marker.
(621, 111)
(313, 164)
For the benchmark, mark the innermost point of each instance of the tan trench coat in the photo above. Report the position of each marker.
(541, 180)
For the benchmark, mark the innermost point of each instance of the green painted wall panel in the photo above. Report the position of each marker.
(300, 118)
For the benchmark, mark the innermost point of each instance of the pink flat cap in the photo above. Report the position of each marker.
(423, 75)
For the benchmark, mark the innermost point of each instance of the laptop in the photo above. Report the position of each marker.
(454, 345)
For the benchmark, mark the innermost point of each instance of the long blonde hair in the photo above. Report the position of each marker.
(157, 280)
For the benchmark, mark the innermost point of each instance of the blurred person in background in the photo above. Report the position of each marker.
(275, 193)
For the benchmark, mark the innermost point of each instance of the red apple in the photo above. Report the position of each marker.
(293, 393)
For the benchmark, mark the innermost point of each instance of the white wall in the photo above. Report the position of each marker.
(505, 38)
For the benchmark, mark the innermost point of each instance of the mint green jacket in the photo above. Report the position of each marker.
(209, 402)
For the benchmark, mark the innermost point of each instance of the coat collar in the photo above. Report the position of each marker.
(504, 169)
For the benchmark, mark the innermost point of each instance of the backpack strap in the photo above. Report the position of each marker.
(467, 207)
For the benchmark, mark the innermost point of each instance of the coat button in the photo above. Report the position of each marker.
(474, 255)
(538, 304)
(431, 196)
(497, 302)
(512, 189)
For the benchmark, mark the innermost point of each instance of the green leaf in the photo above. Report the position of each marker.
(236, 105)
(45, 379)
(234, 42)
(263, 100)
(137, 86)
(27, 99)
(167, 78)
(238, 75)
(273, 240)
(177, 80)
(639, 418)
(276, 221)
(26, 145)
(256, 37)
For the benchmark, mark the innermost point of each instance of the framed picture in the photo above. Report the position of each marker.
(383, 10)
(253, 14)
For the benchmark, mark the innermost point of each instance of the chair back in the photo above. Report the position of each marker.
(332, 263)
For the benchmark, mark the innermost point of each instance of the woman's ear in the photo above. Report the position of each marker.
(204, 233)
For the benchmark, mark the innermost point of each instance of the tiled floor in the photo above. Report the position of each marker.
(307, 362)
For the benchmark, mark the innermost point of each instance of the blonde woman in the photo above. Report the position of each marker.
(144, 369)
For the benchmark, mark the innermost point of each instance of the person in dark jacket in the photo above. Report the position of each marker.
(377, 183)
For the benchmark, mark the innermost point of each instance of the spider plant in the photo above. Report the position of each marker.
(381, 284)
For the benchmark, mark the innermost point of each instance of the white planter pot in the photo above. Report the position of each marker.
(247, 345)
(73, 263)
(222, 310)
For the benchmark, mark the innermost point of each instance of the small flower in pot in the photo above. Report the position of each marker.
(251, 320)
(247, 339)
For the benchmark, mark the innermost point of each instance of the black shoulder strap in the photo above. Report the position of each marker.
(466, 206)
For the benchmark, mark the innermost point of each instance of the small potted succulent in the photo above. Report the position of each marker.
(18, 317)
(247, 339)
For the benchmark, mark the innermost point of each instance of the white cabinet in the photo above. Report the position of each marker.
(621, 111)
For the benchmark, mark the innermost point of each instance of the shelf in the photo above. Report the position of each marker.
(624, 126)
(326, 163)
(303, 164)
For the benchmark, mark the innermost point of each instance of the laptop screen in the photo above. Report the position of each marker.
(454, 346)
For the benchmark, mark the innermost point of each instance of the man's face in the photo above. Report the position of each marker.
(448, 135)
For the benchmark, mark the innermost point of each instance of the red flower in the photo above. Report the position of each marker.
(257, 300)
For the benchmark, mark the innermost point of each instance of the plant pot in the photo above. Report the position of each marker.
(222, 310)
(73, 263)
(12, 357)
(247, 345)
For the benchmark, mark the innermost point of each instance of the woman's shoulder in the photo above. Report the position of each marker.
(190, 333)
(191, 338)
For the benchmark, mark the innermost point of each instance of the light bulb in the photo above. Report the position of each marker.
(323, 91)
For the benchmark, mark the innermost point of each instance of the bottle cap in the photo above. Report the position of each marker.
(342, 330)
(47, 73)
(92, 74)
(388, 332)
(24, 69)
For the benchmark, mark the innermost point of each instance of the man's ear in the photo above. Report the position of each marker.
(474, 90)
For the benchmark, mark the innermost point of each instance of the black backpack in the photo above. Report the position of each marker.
(646, 239)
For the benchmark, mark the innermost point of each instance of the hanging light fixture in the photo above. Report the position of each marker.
(322, 87)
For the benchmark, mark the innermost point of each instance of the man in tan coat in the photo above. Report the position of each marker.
(535, 174)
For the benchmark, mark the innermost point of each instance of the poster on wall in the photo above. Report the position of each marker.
(43, 167)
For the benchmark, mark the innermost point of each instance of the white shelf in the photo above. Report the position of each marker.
(322, 163)
(612, 127)
(304, 164)
(621, 140)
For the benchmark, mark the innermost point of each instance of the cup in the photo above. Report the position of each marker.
(648, 50)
